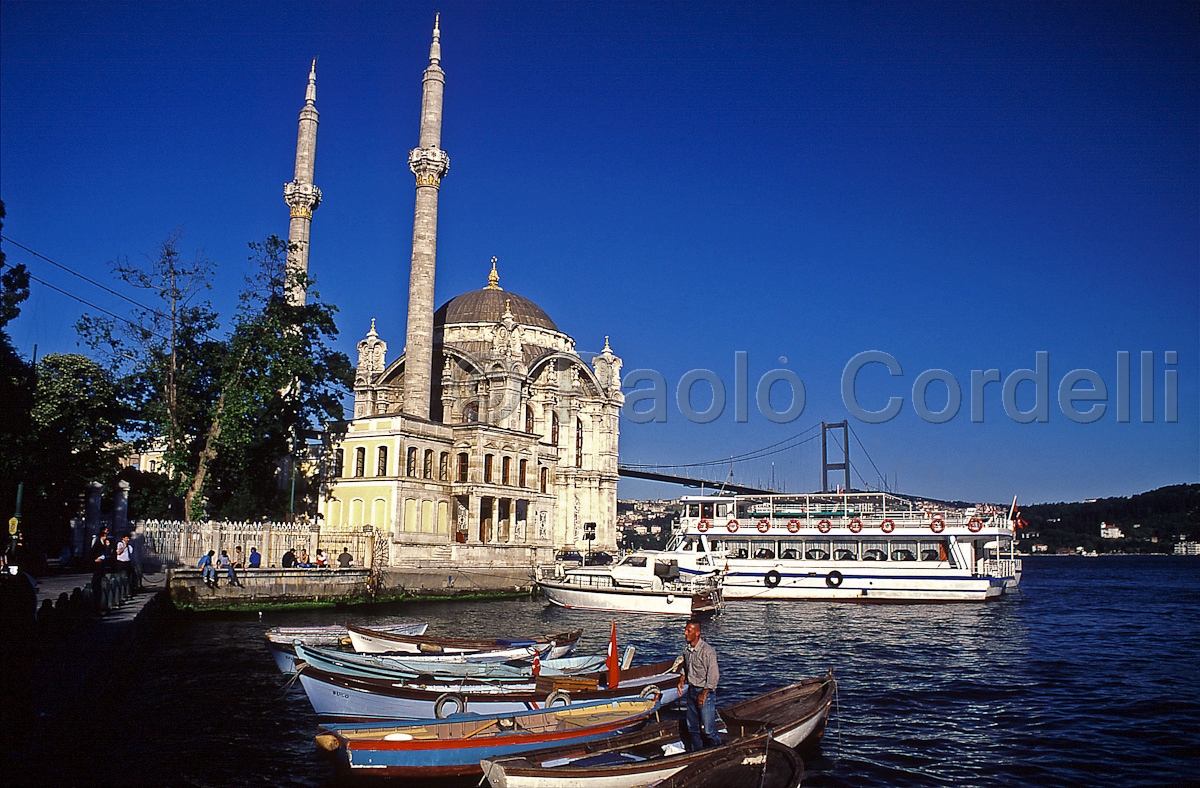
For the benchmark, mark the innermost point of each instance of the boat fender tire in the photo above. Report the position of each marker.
(651, 692)
(824, 526)
(732, 526)
(887, 526)
(558, 696)
(855, 526)
(793, 526)
(446, 698)
(702, 526)
(764, 526)
(772, 578)
(833, 579)
(975, 525)
(937, 525)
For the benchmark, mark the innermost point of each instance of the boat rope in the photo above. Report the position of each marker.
(766, 758)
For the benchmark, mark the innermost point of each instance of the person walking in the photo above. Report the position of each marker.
(100, 557)
(125, 557)
(701, 674)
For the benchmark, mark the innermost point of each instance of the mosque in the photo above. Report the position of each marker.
(489, 441)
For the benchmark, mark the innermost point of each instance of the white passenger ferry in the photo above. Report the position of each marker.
(866, 547)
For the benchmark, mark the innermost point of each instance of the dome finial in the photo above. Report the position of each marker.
(494, 278)
(606, 347)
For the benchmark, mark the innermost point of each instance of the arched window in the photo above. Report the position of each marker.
(487, 468)
(444, 466)
(523, 468)
(427, 468)
(578, 443)
(545, 478)
(554, 428)
(471, 413)
(506, 470)
(411, 467)
(339, 462)
(464, 465)
(381, 463)
(360, 461)
(528, 419)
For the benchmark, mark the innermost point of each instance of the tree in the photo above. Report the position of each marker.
(166, 359)
(282, 381)
(230, 410)
(16, 386)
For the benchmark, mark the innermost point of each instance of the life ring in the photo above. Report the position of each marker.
(772, 578)
(937, 524)
(764, 525)
(793, 526)
(887, 526)
(702, 526)
(556, 696)
(439, 706)
(975, 525)
(855, 525)
(651, 692)
(731, 526)
(833, 579)
(824, 526)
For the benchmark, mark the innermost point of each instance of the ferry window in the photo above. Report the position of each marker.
(764, 554)
(875, 551)
(706, 511)
(790, 551)
(790, 555)
(693, 510)
(741, 510)
(722, 509)
(904, 551)
(934, 551)
(845, 551)
(715, 544)
(737, 548)
(816, 554)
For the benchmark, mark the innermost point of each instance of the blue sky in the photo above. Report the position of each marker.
(958, 185)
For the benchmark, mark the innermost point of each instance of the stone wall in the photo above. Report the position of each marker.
(269, 586)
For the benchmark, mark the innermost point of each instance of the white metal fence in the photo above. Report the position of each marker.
(178, 543)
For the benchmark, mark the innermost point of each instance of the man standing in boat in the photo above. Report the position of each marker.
(701, 674)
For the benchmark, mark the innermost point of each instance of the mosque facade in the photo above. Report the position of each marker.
(490, 440)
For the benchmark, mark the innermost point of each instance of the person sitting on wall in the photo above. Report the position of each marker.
(255, 558)
(289, 559)
(304, 562)
(345, 560)
(322, 560)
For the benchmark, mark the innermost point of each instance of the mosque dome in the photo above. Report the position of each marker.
(488, 305)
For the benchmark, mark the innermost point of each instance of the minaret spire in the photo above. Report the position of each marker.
(429, 163)
(302, 195)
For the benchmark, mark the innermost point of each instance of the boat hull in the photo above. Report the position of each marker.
(768, 580)
(338, 698)
(369, 641)
(630, 600)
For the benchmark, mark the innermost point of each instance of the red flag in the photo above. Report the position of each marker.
(537, 664)
(613, 662)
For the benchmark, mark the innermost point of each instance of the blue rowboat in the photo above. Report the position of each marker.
(453, 747)
(340, 698)
(400, 668)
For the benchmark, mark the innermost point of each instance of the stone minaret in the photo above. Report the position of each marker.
(302, 195)
(429, 163)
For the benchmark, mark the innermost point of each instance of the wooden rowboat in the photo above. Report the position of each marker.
(281, 640)
(793, 713)
(374, 641)
(796, 713)
(454, 747)
(340, 698)
(753, 761)
(410, 667)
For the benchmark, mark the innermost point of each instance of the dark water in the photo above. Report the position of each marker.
(1087, 678)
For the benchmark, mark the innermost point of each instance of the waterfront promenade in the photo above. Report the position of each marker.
(61, 674)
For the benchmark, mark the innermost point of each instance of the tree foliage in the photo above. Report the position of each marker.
(16, 386)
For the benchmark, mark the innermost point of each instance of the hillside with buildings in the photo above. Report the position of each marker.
(1151, 522)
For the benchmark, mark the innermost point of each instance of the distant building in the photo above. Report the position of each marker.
(1187, 548)
(1040, 548)
(1110, 532)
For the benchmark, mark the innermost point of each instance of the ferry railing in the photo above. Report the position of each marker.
(1000, 567)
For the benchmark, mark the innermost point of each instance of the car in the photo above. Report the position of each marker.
(568, 555)
(599, 559)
